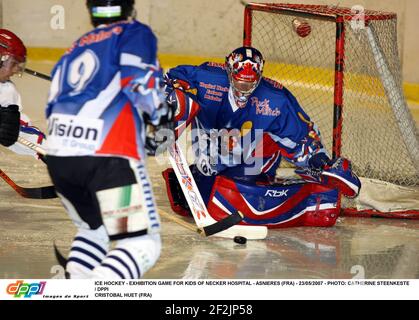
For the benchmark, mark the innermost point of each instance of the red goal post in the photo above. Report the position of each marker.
(346, 74)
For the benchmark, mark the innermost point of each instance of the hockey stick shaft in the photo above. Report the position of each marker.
(32, 146)
(37, 74)
(190, 226)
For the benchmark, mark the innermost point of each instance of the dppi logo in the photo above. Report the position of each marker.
(27, 290)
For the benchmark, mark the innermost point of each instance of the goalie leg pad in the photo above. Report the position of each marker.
(279, 205)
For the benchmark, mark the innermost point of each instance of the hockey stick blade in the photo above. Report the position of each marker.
(223, 224)
(251, 233)
(246, 231)
(47, 192)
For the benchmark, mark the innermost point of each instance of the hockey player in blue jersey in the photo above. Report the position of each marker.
(105, 88)
(245, 125)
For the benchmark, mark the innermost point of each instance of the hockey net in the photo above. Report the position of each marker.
(346, 75)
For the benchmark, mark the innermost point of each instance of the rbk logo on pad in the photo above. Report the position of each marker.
(21, 289)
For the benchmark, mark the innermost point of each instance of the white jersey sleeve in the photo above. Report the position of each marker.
(9, 95)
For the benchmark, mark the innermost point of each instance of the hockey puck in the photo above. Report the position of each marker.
(240, 240)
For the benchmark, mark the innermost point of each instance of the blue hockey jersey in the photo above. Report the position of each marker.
(272, 124)
(100, 89)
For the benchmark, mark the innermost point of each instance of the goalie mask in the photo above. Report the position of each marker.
(244, 68)
(12, 53)
(110, 11)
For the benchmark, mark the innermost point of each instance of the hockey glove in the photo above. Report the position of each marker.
(336, 173)
(171, 84)
(160, 132)
(9, 125)
(203, 164)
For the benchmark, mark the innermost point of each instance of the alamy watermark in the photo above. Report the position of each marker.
(358, 20)
(214, 150)
(57, 21)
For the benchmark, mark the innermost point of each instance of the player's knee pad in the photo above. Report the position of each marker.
(279, 205)
(129, 211)
(88, 249)
(131, 258)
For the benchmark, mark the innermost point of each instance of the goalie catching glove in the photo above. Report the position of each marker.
(336, 173)
(9, 125)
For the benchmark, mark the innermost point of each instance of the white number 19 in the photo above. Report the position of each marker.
(82, 70)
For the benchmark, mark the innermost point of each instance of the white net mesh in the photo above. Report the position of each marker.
(379, 134)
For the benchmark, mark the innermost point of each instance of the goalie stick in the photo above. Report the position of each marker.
(226, 228)
(188, 225)
(205, 223)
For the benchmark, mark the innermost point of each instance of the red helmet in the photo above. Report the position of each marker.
(244, 68)
(11, 45)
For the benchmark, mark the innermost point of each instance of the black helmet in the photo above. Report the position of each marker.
(109, 11)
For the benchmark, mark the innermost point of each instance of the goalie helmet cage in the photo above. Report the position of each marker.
(346, 74)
